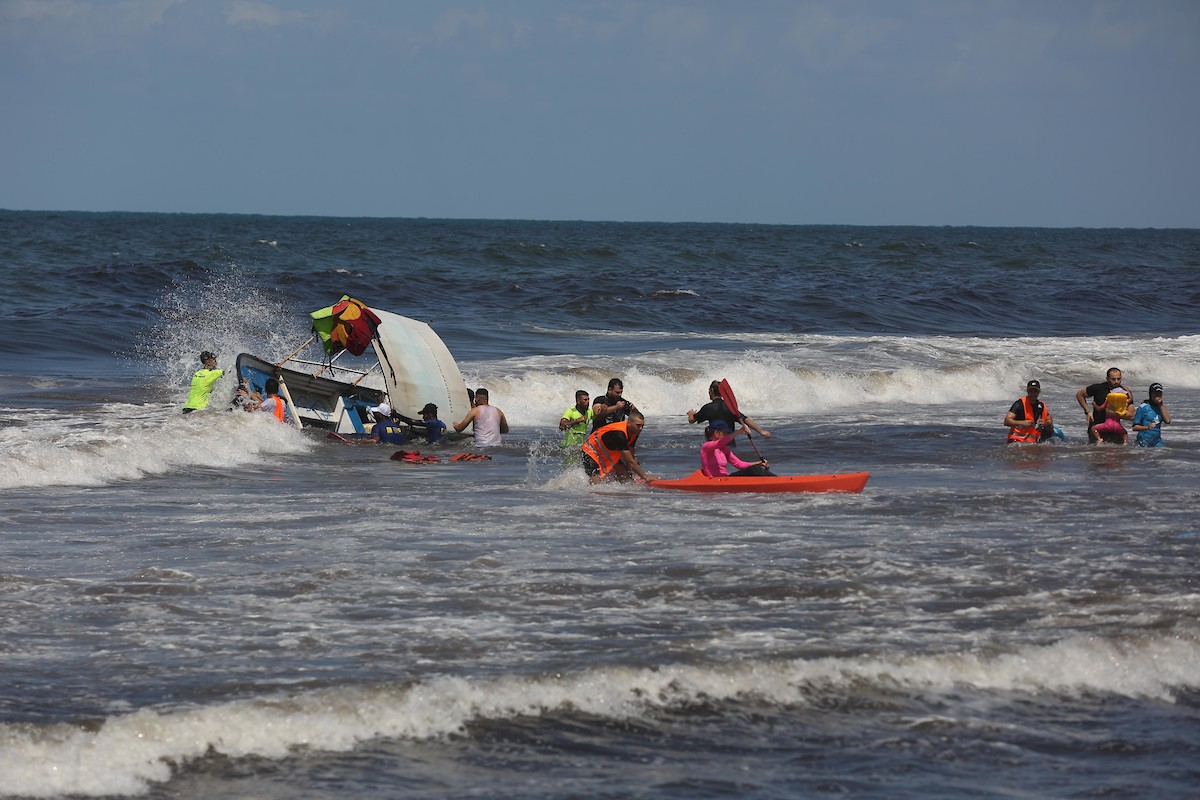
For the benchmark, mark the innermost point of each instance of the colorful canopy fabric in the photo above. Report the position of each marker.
(346, 325)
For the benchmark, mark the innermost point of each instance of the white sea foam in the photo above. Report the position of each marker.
(226, 315)
(125, 442)
(819, 372)
(130, 751)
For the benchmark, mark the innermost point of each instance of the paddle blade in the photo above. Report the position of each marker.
(726, 393)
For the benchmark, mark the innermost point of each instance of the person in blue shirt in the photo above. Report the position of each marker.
(1150, 417)
(385, 430)
(428, 425)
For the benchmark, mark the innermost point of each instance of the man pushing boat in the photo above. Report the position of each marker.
(608, 452)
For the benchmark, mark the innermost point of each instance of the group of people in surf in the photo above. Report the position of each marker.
(244, 397)
(608, 451)
(1029, 420)
(488, 422)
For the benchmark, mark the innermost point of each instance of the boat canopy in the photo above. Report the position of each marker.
(345, 325)
(418, 368)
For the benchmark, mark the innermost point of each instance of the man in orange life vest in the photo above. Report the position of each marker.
(272, 403)
(608, 452)
(1028, 420)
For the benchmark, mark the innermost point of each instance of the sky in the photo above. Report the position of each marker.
(1055, 113)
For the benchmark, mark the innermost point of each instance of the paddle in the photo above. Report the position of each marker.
(726, 393)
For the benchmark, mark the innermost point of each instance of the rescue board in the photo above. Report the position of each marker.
(699, 482)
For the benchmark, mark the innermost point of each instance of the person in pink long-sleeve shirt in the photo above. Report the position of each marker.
(715, 455)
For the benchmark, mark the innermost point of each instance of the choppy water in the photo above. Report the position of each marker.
(217, 606)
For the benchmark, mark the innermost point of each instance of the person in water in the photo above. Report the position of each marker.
(608, 454)
(202, 383)
(612, 406)
(1117, 406)
(428, 425)
(575, 419)
(1028, 419)
(245, 397)
(1150, 417)
(715, 455)
(1098, 415)
(716, 409)
(487, 421)
(272, 403)
(385, 430)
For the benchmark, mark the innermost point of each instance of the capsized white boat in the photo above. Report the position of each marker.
(412, 367)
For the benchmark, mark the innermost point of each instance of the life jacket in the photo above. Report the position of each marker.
(1033, 433)
(594, 447)
(278, 407)
(1117, 404)
(413, 457)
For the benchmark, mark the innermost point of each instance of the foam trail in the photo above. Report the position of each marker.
(128, 753)
(128, 442)
(819, 372)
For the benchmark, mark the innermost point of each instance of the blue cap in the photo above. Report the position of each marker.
(718, 425)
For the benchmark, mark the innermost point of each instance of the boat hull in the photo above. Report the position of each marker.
(698, 482)
(320, 402)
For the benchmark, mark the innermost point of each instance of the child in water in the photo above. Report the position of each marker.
(1116, 404)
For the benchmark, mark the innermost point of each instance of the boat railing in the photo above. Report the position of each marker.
(331, 367)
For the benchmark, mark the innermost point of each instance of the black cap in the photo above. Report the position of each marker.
(1033, 384)
(429, 408)
(1156, 388)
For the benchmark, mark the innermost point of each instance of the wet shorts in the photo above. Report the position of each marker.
(589, 465)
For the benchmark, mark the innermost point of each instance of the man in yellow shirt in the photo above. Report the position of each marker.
(575, 421)
(202, 383)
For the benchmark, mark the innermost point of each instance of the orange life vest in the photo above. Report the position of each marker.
(594, 447)
(1033, 433)
(278, 407)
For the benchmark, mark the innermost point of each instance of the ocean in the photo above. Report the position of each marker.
(218, 606)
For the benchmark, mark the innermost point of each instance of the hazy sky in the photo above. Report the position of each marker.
(929, 112)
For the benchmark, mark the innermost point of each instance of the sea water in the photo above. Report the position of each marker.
(218, 606)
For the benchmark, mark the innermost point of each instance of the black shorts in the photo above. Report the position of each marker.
(590, 466)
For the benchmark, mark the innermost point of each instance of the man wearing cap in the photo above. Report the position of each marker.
(385, 431)
(1150, 417)
(428, 425)
(1028, 420)
(202, 383)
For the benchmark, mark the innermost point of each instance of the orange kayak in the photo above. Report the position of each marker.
(698, 482)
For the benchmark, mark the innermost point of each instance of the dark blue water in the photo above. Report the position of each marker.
(218, 606)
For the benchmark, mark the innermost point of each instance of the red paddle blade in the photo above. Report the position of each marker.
(726, 393)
